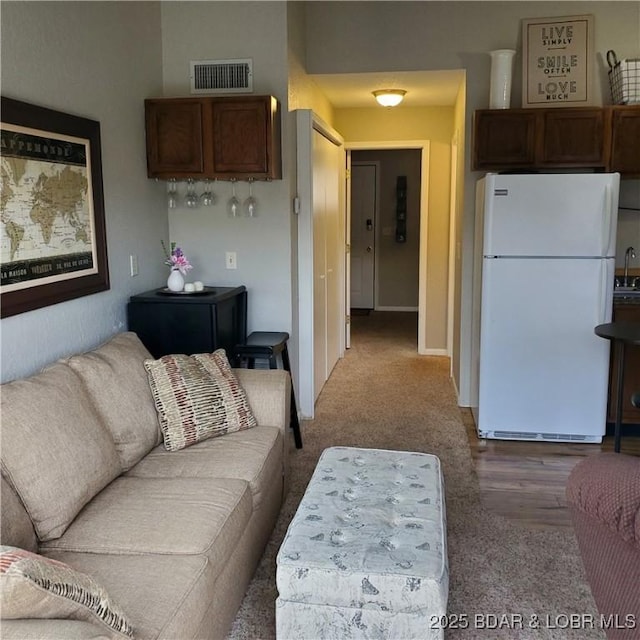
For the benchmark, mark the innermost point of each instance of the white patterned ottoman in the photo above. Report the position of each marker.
(365, 555)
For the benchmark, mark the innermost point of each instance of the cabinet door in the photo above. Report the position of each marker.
(625, 140)
(246, 137)
(504, 139)
(630, 414)
(172, 327)
(574, 137)
(174, 137)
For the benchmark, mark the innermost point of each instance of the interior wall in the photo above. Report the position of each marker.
(303, 93)
(263, 245)
(347, 37)
(435, 124)
(396, 263)
(77, 57)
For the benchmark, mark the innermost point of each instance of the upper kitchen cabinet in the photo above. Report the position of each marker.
(504, 139)
(175, 137)
(538, 139)
(234, 137)
(625, 140)
(573, 138)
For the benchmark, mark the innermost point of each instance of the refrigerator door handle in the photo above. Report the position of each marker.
(606, 294)
(608, 250)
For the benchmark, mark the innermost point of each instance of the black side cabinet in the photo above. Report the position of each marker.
(198, 323)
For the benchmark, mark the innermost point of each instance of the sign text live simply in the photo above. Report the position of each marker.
(557, 64)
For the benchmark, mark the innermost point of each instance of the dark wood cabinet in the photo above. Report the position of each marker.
(234, 137)
(630, 414)
(504, 139)
(574, 137)
(604, 139)
(625, 140)
(189, 324)
(174, 137)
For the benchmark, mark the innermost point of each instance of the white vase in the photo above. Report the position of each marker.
(501, 70)
(175, 282)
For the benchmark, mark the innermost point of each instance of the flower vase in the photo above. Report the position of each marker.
(175, 282)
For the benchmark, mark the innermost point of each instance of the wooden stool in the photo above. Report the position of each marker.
(267, 345)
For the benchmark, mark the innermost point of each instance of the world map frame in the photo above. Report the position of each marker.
(68, 148)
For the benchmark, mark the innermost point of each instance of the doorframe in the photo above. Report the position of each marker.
(423, 145)
(451, 285)
(376, 229)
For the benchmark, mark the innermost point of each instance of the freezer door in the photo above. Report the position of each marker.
(543, 371)
(551, 214)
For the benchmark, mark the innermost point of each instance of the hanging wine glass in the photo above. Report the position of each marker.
(172, 194)
(233, 206)
(251, 204)
(208, 198)
(191, 200)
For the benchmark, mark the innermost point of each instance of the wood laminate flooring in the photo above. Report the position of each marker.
(525, 481)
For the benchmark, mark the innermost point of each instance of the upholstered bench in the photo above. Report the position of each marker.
(365, 555)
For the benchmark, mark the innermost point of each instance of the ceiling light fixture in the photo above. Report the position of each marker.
(389, 97)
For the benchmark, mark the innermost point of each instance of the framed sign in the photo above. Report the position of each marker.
(557, 61)
(52, 228)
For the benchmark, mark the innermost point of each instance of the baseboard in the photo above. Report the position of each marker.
(434, 352)
(411, 309)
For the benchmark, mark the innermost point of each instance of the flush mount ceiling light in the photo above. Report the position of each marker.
(389, 97)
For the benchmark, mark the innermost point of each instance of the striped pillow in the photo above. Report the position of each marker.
(197, 397)
(32, 586)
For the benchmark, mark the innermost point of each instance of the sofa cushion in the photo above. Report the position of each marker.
(117, 382)
(37, 587)
(197, 397)
(165, 596)
(17, 529)
(35, 629)
(161, 516)
(254, 456)
(56, 453)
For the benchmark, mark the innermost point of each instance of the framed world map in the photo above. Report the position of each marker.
(52, 227)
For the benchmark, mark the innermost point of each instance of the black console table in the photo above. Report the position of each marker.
(190, 323)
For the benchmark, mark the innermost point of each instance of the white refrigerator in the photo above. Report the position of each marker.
(543, 279)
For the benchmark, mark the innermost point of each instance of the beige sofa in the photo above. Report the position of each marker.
(172, 537)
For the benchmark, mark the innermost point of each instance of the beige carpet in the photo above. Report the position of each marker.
(383, 395)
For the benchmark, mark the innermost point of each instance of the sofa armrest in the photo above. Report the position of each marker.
(269, 395)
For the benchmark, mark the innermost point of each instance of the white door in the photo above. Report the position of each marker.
(542, 368)
(321, 256)
(319, 215)
(363, 233)
(551, 215)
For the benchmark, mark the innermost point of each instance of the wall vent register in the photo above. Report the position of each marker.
(222, 76)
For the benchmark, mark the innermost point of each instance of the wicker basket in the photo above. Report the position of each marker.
(624, 79)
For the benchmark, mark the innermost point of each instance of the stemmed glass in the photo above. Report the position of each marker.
(208, 198)
(251, 204)
(191, 200)
(233, 206)
(172, 194)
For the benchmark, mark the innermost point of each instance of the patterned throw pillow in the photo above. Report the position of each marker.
(33, 586)
(197, 397)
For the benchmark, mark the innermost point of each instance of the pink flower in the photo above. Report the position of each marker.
(177, 260)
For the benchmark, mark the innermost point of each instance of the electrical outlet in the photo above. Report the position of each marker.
(230, 260)
(133, 265)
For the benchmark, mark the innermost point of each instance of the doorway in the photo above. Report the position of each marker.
(383, 252)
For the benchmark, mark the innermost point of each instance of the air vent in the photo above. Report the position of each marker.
(222, 76)
(547, 437)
